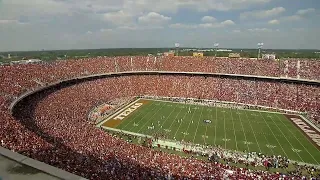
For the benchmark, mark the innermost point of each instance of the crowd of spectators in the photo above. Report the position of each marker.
(52, 127)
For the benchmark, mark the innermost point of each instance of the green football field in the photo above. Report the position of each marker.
(241, 130)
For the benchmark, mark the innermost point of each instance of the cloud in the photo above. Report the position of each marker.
(236, 31)
(202, 25)
(118, 17)
(7, 21)
(227, 23)
(89, 32)
(291, 18)
(153, 18)
(260, 30)
(305, 11)
(105, 30)
(274, 21)
(194, 5)
(262, 14)
(208, 19)
(183, 26)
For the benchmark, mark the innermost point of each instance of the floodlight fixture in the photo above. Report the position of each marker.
(216, 45)
(260, 45)
(177, 45)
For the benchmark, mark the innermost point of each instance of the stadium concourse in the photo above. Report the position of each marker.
(51, 126)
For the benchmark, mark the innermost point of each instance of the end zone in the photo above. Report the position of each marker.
(115, 119)
(310, 131)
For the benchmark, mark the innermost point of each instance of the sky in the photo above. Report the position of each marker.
(89, 24)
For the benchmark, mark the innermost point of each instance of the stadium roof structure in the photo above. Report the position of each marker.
(18, 167)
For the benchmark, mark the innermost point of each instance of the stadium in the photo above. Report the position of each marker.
(162, 117)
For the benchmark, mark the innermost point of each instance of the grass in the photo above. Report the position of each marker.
(241, 130)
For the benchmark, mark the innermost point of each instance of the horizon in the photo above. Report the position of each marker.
(170, 48)
(82, 24)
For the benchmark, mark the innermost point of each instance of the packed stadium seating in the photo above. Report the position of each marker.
(51, 126)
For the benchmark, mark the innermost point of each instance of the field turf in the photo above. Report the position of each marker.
(241, 130)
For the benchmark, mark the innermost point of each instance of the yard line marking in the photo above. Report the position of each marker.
(205, 134)
(234, 132)
(180, 123)
(140, 112)
(215, 127)
(149, 118)
(264, 135)
(168, 118)
(273, 134)
(224, 126)
(195, 134)
(253, 132)
(286, 138)
(184, 135)
(300, 142)
(245, 136)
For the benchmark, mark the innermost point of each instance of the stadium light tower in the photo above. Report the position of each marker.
(216, 45)
(260, 45)
(177, 45)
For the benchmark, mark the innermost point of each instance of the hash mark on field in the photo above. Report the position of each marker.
(247, 143)
(296, 150)
(271, 146)
(185, 133)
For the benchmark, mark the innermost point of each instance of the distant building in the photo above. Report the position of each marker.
(168, 54)
(224, 50)
(197, 54)
(29, 61)
(9, 56)
(269, 56)
(234, 55)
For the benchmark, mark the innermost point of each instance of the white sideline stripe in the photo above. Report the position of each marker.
(117, 113)
(222, 102)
